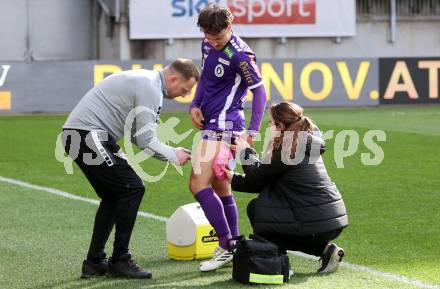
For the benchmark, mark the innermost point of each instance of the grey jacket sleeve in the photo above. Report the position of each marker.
(148, 101)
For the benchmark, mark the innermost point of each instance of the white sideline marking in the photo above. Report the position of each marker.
(71, 196)
(384, 275)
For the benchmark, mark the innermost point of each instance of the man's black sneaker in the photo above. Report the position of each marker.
(91, 269)
(330, 259)
(127, 268)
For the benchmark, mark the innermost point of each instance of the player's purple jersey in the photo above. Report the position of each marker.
(226, 77)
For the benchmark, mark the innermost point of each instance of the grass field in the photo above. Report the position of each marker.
(393, 209)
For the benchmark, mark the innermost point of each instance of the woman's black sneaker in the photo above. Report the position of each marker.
(330, 258)
(125, 267)
(91, 269)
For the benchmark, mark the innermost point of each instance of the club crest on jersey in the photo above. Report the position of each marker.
(219, 70)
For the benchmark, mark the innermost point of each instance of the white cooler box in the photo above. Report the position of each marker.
(189, 234)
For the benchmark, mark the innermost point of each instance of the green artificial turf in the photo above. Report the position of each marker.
(392, 207)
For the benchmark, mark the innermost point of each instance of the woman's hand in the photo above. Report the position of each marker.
(240, 144)
(229, 174)
(250, 140)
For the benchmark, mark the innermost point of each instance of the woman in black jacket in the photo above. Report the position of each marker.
(298, 207)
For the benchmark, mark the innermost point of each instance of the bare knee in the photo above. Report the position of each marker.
(194, 186)
(197, 183)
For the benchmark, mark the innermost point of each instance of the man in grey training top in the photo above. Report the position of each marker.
(89, 136)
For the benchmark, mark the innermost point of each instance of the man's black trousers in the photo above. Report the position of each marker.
(116, 183)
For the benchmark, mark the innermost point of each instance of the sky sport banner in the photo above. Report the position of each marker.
(162, 19)
(58, 86)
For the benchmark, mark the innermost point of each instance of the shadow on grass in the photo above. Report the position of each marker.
(168, 274)
(182, 280)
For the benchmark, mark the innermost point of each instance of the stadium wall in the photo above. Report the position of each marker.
(414, 39)
(58, 86)
(45, 30)
(78, 30)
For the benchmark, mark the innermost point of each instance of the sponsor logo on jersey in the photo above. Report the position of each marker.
(245, 69)
(228, 51)
(223, 61)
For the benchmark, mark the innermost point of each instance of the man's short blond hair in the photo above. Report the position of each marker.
(186, 68)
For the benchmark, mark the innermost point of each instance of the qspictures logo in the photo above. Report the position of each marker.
(5, 96)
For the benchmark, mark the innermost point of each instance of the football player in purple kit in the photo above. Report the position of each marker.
(229, 70)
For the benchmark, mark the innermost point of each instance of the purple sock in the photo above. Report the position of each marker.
(231, 213)
(213, 209)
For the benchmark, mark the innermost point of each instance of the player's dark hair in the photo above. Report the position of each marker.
(214, 18)
(186, 68)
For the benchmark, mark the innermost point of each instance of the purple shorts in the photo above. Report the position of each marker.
(226, 136)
